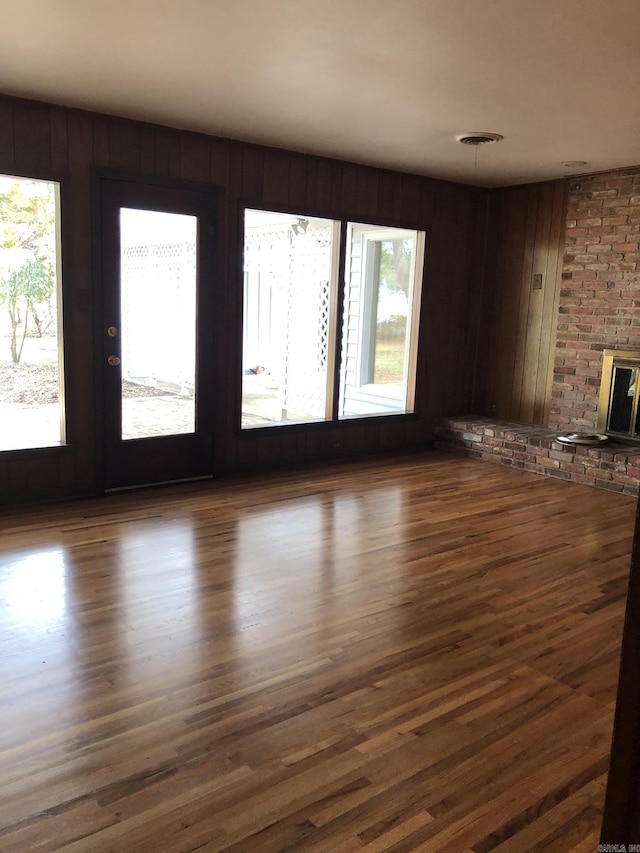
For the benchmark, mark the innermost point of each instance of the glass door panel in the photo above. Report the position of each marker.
(158, 274)
(156, 414)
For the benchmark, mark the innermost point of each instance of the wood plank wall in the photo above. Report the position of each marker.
(40, 140)
(526, 238)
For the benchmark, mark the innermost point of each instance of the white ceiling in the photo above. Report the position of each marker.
(383, 82)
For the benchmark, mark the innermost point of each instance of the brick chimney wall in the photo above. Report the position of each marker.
(600, 296)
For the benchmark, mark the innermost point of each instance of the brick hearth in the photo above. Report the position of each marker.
(614, 466)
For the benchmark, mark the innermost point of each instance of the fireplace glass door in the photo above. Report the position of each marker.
(622, 417)
(618, 410)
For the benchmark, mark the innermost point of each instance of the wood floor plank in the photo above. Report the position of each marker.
(406, 654)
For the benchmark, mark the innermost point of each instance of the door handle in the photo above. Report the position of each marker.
(113, 360)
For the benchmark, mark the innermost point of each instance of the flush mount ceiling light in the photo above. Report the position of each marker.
(478, 138)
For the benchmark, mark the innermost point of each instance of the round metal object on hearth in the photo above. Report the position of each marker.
(585, 438)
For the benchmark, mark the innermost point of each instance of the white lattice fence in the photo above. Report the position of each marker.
(158, 282)
(290, 279)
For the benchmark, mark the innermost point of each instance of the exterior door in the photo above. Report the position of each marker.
(156, 347)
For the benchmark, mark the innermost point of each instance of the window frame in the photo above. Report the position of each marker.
(336, 328)
(333, 288)
(367, 389)
(63, 306)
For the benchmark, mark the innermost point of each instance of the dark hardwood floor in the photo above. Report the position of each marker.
(386, 656)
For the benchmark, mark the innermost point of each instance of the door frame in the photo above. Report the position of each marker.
(209, 213)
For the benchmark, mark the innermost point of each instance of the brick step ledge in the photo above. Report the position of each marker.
(614, 466)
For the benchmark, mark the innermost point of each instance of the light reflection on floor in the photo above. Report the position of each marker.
(37, 632)
(33, 590)
(277, 573)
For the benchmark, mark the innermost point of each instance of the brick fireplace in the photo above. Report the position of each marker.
(598, 309)
(600, 294)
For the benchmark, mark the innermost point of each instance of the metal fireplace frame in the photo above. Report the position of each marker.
(612, 360)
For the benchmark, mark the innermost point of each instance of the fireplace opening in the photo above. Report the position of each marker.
(618, 411)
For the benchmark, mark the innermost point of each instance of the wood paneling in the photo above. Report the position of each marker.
(397, 655)
(44, 140)
(32, 136)
(525, 238)
(7, 157)
(167, 153)
(59, 142)
(450, 309)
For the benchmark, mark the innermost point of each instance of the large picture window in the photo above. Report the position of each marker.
(292, 325)
(289, 318)
(31, 400)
